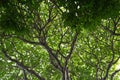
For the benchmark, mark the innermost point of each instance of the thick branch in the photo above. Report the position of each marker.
(25, 76)
(52, 55)
(23, 66)
(44, 44)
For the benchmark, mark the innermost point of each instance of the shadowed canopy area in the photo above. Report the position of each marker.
(75, 13)
(59, 40)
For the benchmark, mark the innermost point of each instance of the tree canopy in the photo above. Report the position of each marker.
(48, 40)
(75, 13)
(88, 12)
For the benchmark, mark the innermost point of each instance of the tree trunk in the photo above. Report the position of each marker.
(65, 74)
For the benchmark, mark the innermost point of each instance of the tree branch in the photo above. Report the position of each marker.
(22, 65)
(112, 60)
(114, 73)
(28, 41)
(53, 57)
(25, 76)
(51, 54)
(54, 2)
(72, 48)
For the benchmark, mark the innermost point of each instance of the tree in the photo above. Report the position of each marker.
(87, 13)
(49, 50)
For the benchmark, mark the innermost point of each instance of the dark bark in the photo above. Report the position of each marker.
(65, 74)
(23, 66)
(25, 75)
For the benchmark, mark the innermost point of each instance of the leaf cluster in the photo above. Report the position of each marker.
(88, 13)
(15, 15)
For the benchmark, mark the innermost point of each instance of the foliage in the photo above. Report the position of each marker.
(16, 15)
(52, 51)
(88, 13)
